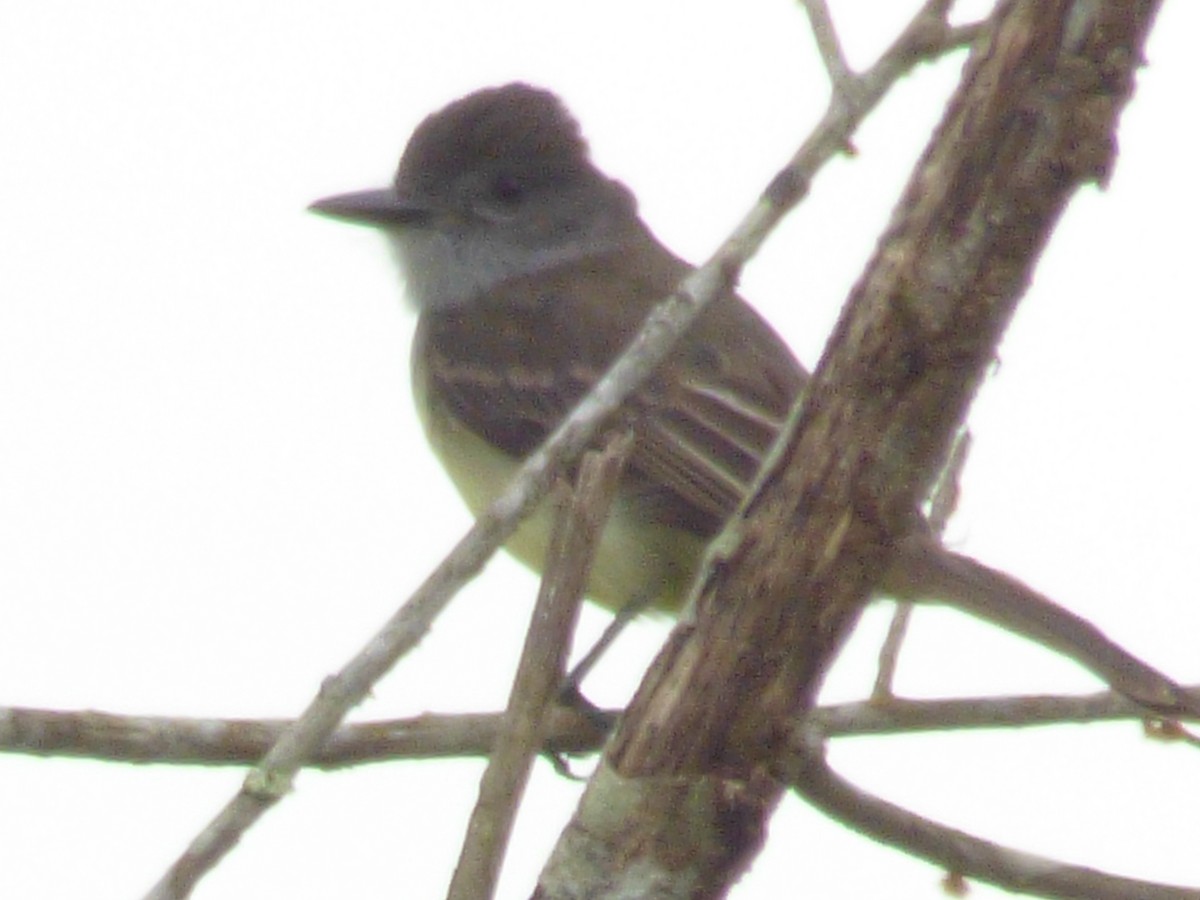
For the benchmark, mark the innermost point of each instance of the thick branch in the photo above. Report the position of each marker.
(1033, 119)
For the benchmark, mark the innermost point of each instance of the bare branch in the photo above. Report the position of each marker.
(173, 740)
(899, 716)
(962, 855)
(937, 575)
(889, 651)
(540, 672)
(941, 505)
(828, 45)
(928, 26)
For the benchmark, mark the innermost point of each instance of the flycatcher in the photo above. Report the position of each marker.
(532, 272)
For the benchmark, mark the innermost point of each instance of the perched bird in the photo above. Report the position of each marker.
(532, 271)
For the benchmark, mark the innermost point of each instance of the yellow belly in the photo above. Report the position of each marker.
(636, 560)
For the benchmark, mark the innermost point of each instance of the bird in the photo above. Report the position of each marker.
(531, 271)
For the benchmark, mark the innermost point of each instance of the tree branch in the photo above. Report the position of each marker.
(541, 670)
(690, 767)
(941, 506)
(173, 740)
(963, 855)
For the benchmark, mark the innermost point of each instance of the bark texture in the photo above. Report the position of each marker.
(681, 801)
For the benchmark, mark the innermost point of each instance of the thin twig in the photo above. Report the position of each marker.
(900, 716)
(828, 43)
(941, 507)
(579, 521)
(944, 501)
(889, 652)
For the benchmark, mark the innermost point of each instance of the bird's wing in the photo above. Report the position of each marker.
(510, 366)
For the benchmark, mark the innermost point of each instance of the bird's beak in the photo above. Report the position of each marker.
(377, 208)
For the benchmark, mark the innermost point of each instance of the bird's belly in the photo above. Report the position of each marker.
(636, 559)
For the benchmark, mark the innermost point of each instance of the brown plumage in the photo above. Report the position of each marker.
(512, 364)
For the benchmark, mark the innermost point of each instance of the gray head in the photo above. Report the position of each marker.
(498, 184)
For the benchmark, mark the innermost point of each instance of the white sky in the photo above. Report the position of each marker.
(212, 486)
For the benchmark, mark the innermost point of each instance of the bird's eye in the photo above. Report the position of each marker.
(508, 190)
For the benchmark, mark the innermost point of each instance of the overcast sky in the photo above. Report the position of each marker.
(213, 488)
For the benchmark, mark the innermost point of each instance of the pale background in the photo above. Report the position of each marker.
(212, 487)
